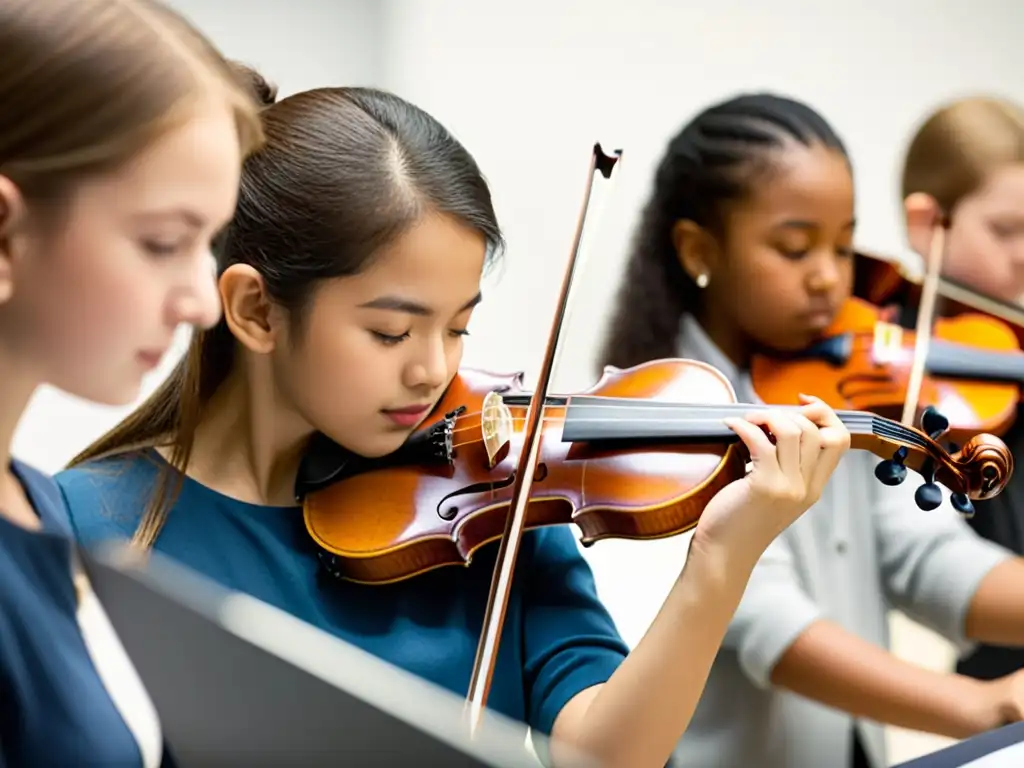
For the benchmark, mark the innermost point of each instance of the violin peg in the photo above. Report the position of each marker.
(962, 504)
(928, 496)
(890, 472)
(933, 423)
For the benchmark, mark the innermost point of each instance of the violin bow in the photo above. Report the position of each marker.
(501, 582)
(925, 315)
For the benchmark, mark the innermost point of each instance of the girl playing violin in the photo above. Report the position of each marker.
(349, 276)
(967, 160)
(121, 136)
(746, 244)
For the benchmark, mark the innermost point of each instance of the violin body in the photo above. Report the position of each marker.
(972, 375)
(637, 456)
(884, 283)
(425, 515)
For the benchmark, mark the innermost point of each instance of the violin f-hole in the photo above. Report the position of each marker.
(447, 511)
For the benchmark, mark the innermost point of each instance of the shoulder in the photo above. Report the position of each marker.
(44, 495)
(106, 498)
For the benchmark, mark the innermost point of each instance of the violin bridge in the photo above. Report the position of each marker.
(496, 426)
(888, 343)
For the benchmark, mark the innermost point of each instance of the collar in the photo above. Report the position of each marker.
(695, 344)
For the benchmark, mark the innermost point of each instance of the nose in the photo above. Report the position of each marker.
(1017, 267)
(825, 273)
(197, 301)
(430, 369)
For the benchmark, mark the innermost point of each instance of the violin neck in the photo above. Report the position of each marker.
(957, 361)
(596, 419)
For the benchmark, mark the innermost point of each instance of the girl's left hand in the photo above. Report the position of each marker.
(785, 480)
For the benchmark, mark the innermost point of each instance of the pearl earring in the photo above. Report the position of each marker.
(703, 280)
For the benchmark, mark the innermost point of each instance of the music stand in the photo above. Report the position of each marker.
(239, 682)
(1001, 748)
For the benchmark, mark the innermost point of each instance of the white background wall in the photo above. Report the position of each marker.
(528, 86)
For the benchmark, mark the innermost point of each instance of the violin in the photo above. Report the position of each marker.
(974, 369)
(638, 455)
(884, 282)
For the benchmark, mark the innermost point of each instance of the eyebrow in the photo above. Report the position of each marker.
(410, 307)
(804, 224)
(191, 218)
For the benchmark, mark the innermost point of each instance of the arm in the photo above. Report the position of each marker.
(636, 718)
(933, 566)
(995, 615)
(830, 665)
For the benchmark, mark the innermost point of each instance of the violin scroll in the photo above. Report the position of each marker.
(986, 464)
(980, 470)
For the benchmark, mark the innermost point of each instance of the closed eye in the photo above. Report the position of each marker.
(161, 249)
(389, 340)
(794, 255)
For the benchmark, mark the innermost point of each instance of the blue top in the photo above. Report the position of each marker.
(558, 639)
(54, 708)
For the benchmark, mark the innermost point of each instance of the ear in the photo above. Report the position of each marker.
(12, 214)
(922, 213)
(695, 249)
(248, 310)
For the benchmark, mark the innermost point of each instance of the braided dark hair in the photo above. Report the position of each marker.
(711, 161)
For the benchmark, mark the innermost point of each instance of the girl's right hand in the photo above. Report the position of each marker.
(995, 702)
(785, 480)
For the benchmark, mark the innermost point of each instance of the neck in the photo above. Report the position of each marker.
(727, 337)
(16, 389)
(248, 445)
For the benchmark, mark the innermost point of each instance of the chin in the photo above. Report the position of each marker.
(377, 446)
(104, 391)
(787, 344)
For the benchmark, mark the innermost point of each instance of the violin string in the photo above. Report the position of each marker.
(910, 438)
(657, 419)
(674, 421)
(659, 416)
(479, 440)
(862, 422)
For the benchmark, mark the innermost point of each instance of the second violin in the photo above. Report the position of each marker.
(973, 370)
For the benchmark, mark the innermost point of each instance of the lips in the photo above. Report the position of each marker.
(151, 357)
(412, 410)
(407, 417)
(820, 316)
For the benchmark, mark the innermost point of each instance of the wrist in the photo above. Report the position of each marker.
(716, 563)
(976, 706)
(718, 554)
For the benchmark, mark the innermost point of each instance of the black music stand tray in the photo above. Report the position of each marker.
(238, 682)
(1001, 748)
